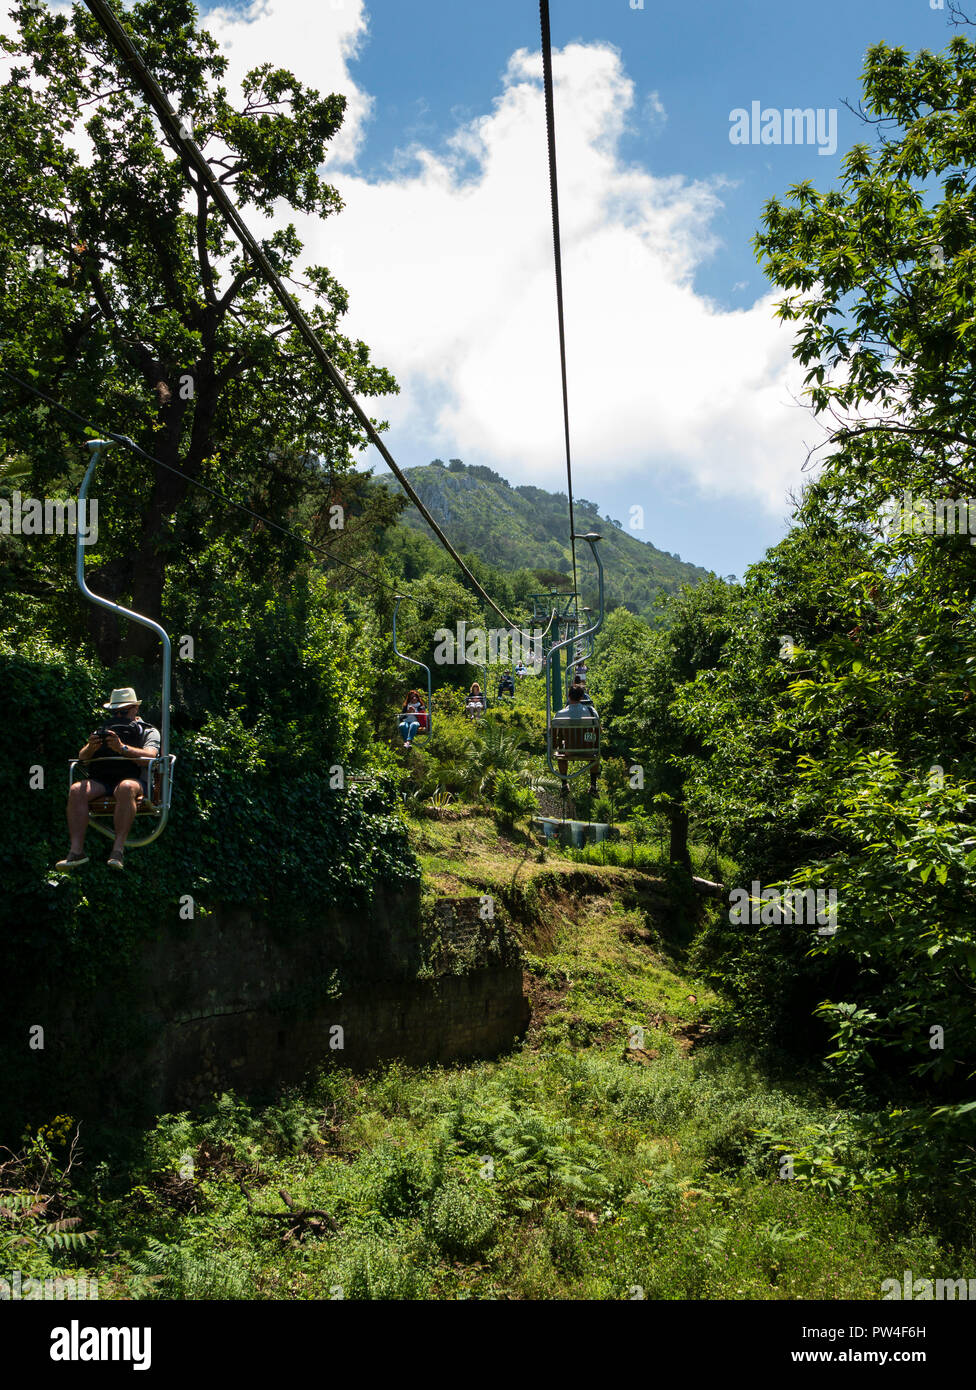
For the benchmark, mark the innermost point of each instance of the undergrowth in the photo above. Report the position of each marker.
(607, 1159)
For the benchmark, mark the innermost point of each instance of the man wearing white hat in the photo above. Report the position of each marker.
(122, 749)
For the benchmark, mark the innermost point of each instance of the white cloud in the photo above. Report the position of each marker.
(655, 116)
(449, 267)
(448, 263)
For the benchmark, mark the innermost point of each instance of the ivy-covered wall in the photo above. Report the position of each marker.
(255, 1003)
(250, 828)
(247, 824)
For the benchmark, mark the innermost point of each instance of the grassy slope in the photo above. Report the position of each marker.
(577, 1167)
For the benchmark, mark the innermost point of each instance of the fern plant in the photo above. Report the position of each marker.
(493, 751)
(22, 1223)
(173, 1271)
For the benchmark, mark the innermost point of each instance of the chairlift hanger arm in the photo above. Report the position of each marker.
(591, 539)
(414, 662)
(96, 446)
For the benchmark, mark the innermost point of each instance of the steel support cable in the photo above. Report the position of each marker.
(557, 254)
(193, 158)
(131, 444)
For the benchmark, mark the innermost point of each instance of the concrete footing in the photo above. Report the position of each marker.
(573, 832)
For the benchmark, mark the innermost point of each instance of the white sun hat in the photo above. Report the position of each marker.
(120, 698)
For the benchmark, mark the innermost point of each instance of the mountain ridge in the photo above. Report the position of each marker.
(526, 527)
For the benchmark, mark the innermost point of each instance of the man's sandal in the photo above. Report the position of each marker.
(115, 859)
(72, 860)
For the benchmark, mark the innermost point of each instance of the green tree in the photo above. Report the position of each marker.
(698, 626)
(880, 274)
(859, 744)
(126, 296)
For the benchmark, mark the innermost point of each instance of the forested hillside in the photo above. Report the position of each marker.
(748, 1067)
(524, 528)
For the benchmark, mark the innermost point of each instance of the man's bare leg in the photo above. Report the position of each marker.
(78, 798)
(125, 811)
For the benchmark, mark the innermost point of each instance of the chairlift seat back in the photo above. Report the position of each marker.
(576, 738)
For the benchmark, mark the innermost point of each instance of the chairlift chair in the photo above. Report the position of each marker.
(423, 735)
(159, 772)
(478, 711)
(575, 740)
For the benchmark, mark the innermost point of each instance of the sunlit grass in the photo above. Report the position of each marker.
(576, 1168)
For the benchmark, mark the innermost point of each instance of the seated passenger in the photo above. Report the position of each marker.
(579, 706)
(413, 718)
(120, 752)
(506, 686)
(521, 670)
(475, 703)
(584, 695)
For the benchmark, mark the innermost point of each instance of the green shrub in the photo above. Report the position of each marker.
(653, 1204)
(512, 799)
(567, 1246)
(463, 1218)
(402, 1181)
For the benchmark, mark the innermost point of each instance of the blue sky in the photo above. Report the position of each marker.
(430, 62)
(681, 382)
